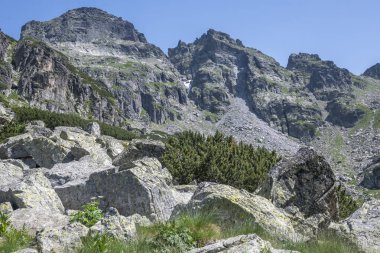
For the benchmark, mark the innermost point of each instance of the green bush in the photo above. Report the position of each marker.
(11, 129)
(88, 215)
(53, 119)
(4, 223)
(347, 205)
(191, 156)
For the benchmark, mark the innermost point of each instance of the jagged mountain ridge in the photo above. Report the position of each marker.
(113, 74)
(140, 77)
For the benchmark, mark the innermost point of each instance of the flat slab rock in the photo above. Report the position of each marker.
(240, 244)
(37, 219)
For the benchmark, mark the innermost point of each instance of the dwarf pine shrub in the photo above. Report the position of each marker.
(192, 156)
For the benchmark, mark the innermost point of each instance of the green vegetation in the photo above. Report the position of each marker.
(347, 205)
(10, 129)
(336, 147)
(324, 243)
(89, 214)
(12, 239)
(198, 229)
(174, 236)
(4, 223)
(373, 193)
(213, 117)
(53, 119)
(191, 156)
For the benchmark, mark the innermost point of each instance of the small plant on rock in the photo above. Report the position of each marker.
(89, 214)
(4, 223)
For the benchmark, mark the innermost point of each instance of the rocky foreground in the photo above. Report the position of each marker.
(46, 174)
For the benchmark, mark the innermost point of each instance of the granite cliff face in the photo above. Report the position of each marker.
(136, 75)
(221, 68)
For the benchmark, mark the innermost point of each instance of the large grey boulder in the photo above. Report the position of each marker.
(233, 205)
(362, 227)
(43, 151)
(143, 188)
(10, 173)
(305, 186)
(240, 244)
(118, 226)
(81, 144)
(138, 149)
(113, 146)
(93, 128)
(33, 190)
(37, 219)
(75, 172)
(64, 239)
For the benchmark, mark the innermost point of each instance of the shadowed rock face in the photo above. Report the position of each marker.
(83, 25)
(371, 177)
(304, 183)
(373, 71)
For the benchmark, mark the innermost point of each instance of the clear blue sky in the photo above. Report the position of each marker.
(345, 31)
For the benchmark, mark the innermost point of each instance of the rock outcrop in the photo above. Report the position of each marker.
(118, 226)
(344, 112)
(373, 71)
(371, 175)
(69, 27)
(323, 78)
(233, 205)
(142, 188)
(362, 227)
(64, 239)
(138, 149)
(305, 186)
(6, 48)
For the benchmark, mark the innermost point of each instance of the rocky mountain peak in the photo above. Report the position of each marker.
(83, 25)
(299, 61)
(213, 36)
(373, 71)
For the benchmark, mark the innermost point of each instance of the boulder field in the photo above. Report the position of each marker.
(46, 174)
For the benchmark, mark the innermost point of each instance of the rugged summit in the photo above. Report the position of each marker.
(136, 75)
(83, 25)
(373, 71)
(221, 68)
